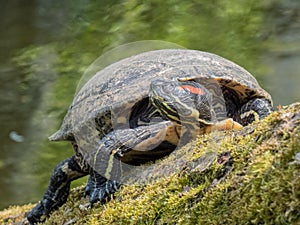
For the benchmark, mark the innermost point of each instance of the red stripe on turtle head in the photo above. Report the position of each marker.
(194, 90)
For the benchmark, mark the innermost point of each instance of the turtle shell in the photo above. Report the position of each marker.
(105, 102)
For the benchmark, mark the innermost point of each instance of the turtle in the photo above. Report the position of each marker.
(140, 109)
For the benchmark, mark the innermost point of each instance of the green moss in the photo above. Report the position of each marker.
(14, 214)
(245, 177)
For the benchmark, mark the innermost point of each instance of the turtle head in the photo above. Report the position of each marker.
(182, 102)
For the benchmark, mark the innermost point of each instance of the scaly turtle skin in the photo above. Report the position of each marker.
(140, 109)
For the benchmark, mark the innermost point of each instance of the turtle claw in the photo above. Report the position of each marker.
(34, 216)
(103, 192)
(100, 188)
(40, 212)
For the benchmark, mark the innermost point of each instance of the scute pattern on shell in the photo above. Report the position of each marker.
(119, 86)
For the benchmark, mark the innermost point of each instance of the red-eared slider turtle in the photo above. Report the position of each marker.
(138, 109)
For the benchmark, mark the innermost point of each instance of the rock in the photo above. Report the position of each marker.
(247, 177)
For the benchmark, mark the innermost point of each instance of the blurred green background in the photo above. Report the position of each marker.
(46, 46)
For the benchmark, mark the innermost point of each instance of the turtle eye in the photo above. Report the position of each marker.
(194, 90)
(169, 88)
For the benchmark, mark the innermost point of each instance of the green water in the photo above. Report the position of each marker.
(46, 47)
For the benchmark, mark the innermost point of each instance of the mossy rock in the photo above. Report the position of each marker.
(247, 177)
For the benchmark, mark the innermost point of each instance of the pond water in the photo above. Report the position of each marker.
(32, 108)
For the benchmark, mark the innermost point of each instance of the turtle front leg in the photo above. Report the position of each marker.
(254, 110)
(119, 150)
(58, 189)
(100, 189)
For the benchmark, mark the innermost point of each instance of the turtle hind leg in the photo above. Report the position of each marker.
(100, 189)
(58, 189)
(253, 110)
